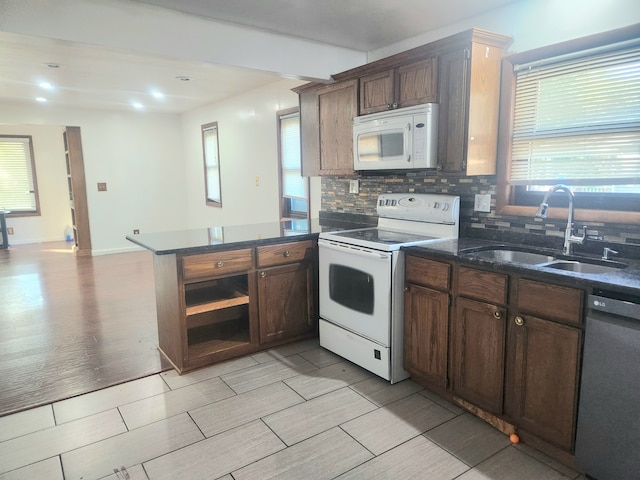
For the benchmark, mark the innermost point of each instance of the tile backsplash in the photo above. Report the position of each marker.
(549, 232)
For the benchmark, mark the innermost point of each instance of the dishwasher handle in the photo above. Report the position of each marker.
(614, 306)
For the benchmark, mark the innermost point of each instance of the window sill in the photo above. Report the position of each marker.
(580, 215)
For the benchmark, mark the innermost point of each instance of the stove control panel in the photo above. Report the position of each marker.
(422, 207)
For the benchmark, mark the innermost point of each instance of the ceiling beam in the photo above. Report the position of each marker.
(155, 31)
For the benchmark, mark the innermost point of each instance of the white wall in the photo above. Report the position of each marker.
(138, 154)
(535, 23)
(51, 177)
(248, 149)
(153, 167)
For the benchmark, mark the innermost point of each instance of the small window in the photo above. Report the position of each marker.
(211, 152)
(574, 119)
(294, 188)
(18, 185)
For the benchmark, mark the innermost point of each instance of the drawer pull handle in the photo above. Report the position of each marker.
(287, 253)
(220, 264)
(519, 321)
(497, 314)
(263, 274)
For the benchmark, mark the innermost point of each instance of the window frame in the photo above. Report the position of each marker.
(505, 192)
(209, 201)
(34, 179)
(285, 205)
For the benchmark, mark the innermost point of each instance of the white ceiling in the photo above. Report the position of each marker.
(101, 76)
(358, 24)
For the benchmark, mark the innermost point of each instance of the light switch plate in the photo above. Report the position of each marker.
(482, 203)
(354, 186)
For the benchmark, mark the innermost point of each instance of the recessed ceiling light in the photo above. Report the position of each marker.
(137, 105)
(157, 94)
(41, 99)
(46, 86)
(183, 79)
(53, 65)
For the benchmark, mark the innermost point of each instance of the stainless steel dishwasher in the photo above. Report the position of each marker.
(608, 430)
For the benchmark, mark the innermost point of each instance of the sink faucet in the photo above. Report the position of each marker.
(569, 237)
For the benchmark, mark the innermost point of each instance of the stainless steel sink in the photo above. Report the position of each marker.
(538, 258)
(584, 267)
(512, 256)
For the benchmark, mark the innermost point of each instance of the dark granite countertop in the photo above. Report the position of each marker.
(211, 239)
(201, 240)
(625, 280)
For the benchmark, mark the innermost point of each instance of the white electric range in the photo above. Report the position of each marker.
(361, 275)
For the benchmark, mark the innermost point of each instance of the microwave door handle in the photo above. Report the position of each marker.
(407, 143)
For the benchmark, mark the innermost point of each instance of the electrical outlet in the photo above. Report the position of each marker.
(257, 181)
(482, 203)
(136, 231)
(102, 186)
(354, 186)
(10, 230)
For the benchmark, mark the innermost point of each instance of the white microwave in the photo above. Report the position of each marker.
(402, 139)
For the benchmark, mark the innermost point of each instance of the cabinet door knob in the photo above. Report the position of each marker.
(287, 253)
(389, 106)
(220, 264)
(497, 314)
(263, 274)
(519, 321)
(394, 105)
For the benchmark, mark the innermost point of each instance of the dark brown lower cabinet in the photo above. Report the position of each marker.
(514, 347)
(285, 306)
(478, 342)
(426, 330)
(542, 378)
(218, 305)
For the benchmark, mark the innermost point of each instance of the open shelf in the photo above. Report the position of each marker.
(203, 302)
(217, 315)
(208, 339)
(210, 317)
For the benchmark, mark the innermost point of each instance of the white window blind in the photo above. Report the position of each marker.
(294, 185)
(212, 163)
(577, 120)
(17, 184)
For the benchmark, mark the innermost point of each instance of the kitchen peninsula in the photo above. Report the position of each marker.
(223, 292)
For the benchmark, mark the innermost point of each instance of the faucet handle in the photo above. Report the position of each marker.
(584, 232)
(576, 238)
(608, 252)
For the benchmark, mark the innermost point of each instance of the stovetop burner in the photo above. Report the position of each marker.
(387, 237)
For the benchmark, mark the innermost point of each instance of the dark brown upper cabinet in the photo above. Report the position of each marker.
(400, 87)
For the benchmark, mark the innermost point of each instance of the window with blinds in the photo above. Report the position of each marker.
(294, 187)
(18, 186)
(577, 122)
(211, 152)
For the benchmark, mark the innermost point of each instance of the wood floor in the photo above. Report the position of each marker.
(71, 325)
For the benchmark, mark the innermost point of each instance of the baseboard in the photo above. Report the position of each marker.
(109, 251)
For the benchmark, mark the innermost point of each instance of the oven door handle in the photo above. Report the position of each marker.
(351, 249)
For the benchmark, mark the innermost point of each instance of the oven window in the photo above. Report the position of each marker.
(351, 288)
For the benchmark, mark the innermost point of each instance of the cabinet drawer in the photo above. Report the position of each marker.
(550, 301)
(486, 286)
(427, 272)
(285, 253)
(208, 265)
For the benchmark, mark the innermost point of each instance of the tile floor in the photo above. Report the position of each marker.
(295, 412)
